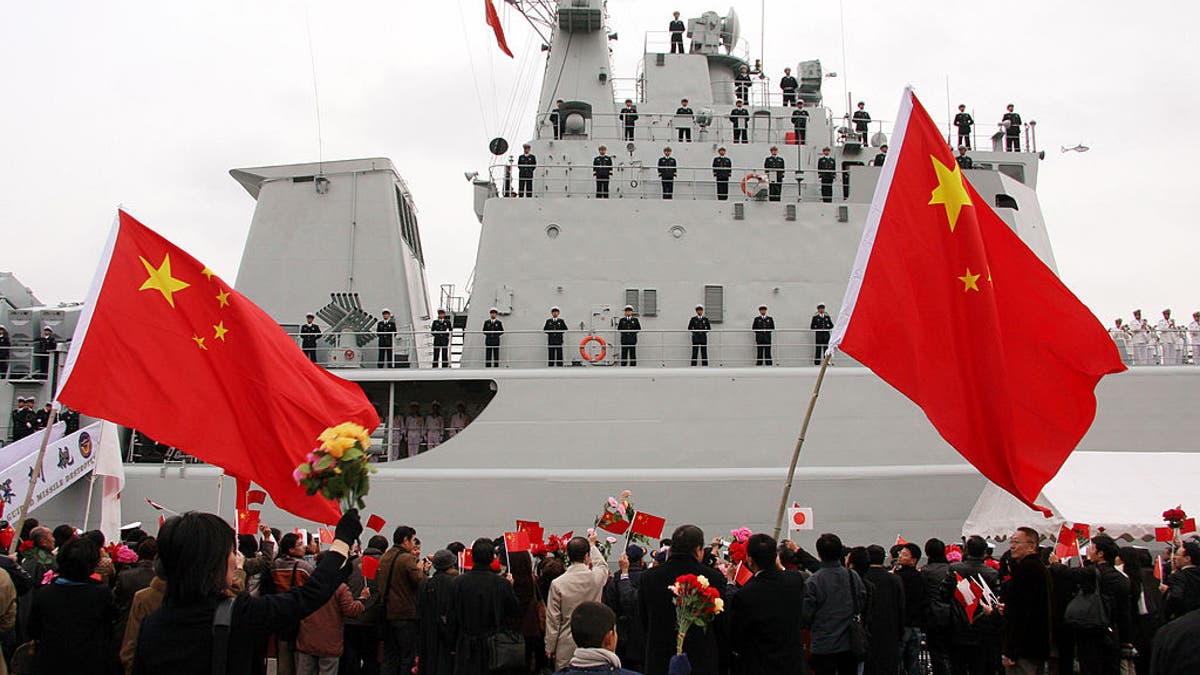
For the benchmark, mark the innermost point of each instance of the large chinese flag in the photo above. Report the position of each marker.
(493, 20)
(167, 347)
(951, 308)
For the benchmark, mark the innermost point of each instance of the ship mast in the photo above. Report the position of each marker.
(541, 15)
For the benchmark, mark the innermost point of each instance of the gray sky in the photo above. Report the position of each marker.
(149, 104)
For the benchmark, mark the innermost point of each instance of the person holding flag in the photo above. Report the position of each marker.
(975, 640)
(579, 584)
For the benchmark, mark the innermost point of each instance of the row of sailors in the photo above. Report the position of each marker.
(410, 431)
(1166, 339)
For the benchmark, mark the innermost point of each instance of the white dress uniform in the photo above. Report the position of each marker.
(1120, 335)
(1139, 337)
(1168, 341)
(414, 432)
(434, 429)
(1194, 338)
(458, 421)
(397, 438)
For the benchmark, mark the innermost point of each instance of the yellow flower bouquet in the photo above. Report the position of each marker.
(339, 468)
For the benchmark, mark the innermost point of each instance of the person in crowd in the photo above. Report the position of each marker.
(821, 323)
(1011, 121)
(833, 596)
(862, 123)
(319, 641)
(764, 621)
(722, 168)
(145, 602)
(774, 166)
(699, 326)
(739, 117)
(39, 558)
(8, 612)
(676, 28)
(964, 160)
(557, 119)
(788, 85)
(441, 339)
(289, 570)
(399, 579)
(1025, 630)
(885, 615)
(385, 330)
(620, 594)
(602, 169)
(974, 641)
(71, 618)
(1174, 651)
(131, 580)
(800, 121)
(1145, 603)
(881, 156)
(435, 426)
(596, 628)
(526, 165)
(684, 116)
(459, 420)
(629, 327)
(964, 123)
(309, 333)
(907, 556)
(742, 84)
(493, 329)
(435, 602)
(583, 581)
(826, 172)
(666, 173)
(629, 118)
(657, 607)
(484, 602)
(1181, 588)
(360, 645)
(764, 328)
(1099, 651)
(5, 351)
(939, 619)
(43, 345)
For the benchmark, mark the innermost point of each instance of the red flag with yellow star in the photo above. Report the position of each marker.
(939, 306)
(165, 346)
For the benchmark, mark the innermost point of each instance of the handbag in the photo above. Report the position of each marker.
(1086, 611)
(505, 646)
(860, 637)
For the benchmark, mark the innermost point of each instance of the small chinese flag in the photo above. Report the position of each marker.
(248, 522)
(648, 525)
(1158, 567)
(1013, 402)
(256, 497)
(1068, 545)
(466, 560)
(375, 522)
(534, 529)
(1164, 534)
(161, 520)
(900, 541)
(1189, 526)
(610, 523)
(1082, 530)
(326, 535)
(516, 542)
(742, 574)
(370, 566)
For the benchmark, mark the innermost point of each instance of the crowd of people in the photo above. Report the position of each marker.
(196, 600)
(1163, 343)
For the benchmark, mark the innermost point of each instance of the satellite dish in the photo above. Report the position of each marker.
(731, 30)
(498, 146)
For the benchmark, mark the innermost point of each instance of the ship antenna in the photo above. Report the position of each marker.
(312, 61)
(762, 37)
(845, 71)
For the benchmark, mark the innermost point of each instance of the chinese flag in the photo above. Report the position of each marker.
(1158, 567)
(376, 522)
(516, 542)
(493, 20)
(1068, 544)
(1189, 526)
(648, 525)
(1164, 534)
(370, 566)
(326, 535)
(256, 497)
(534, 529)
(742, 575)
(938, 306)
(610, 523)
(248, 522)
(165, 346)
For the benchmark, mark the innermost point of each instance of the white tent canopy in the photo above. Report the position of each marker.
(1123, 492)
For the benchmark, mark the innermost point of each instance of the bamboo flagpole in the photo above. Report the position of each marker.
(812, 402)
(33, 477)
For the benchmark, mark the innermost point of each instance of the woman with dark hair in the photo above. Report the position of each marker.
(1146, 601)
(531, 616)
(72, 617)
(198, 559)
(484, 602)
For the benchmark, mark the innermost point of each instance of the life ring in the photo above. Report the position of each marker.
(584, 352)
(759, 180)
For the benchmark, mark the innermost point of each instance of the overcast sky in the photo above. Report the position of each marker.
(149, 104)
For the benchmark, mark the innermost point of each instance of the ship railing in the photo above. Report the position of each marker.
(24, 365)
(1167, 347)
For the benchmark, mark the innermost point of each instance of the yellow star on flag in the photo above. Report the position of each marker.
(208, 274)
(950, 191)
(220, 330)
(969, 281)
(160, 279)
(199, 342)
(223, 299)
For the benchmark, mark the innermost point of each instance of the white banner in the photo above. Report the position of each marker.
(67, 460)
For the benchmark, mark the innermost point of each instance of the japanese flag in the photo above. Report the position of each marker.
(800, 518)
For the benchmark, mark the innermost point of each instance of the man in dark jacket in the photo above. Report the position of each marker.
(657, 607)
(1182, 587)
(885, 616)
(483, 602)
(1175, 650)
(621, 595)
(763, 327)
(555, 328)
(907, 556)
(974, 644)
(938, 618)
(1025, 631)
(1099, 651)
(435, 604)
(699, 326)
(763, 617)
(628, 327)
(386, 332)
(399, 578)
(360, 647)
(832, 597)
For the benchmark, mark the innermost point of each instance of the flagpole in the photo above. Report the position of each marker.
(812, 402)
(87, 510)
(34, 475)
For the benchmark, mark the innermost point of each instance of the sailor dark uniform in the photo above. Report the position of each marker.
(628, 328)
(677, 27)
(23, 421)
(666, 174)
(309, 333)
(964, 162)
(5, 350)
(554, 328)
(879, 159)
(699, 326)
(1012, 137)
(629, 117)
(41, 418)
(441, 342)
(492, 330)
(774, 166)
(722, 168)
(42, 346)
(740, 119)
(826, 171)
(386, 330)
(862, 124)
(556, 121)
(526, 164)
(763, 326)
(964, 123)
(822, 324)
(602, 170)
(789, 85)
(685, 125)
(741, 86)
(800, 122)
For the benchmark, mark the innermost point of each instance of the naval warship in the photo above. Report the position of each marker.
(707, 444)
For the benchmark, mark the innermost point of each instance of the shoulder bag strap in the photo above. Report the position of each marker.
(222, 619)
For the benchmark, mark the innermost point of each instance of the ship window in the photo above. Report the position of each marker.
(714, 303)
(649, 302)
(631, 298)
(1014, 171)
(1004, 201)
(408, 226)
(303, 179)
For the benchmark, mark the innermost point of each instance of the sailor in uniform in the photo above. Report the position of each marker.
(492, 330)
(742, 84)
(1012, 134)
(862, 123)
(699, 326)
(822, 323)
(434, 426)
(458, 420)
(23, 419)
(556, 119)
(739, 117)
(309, 332)
(42, 347)
(1169, 340)
(722, 168)
(1194, 337)
(881, 157)
(763, 327)
(397, 440)
(555, 328)
(800, 121)
(628, 328)
(414, 429)
(774, 165)
(964, 123)
(526, 164)
(5, 347)
(602, 170)
(827, 172)
(1139, 337)
(666, 173)
(1120, 336)
(42, 417)
(683, 121)
(629, 116)
(676, 28)
(789, 85)
(441, 340)
(964, 162)
(386, 330)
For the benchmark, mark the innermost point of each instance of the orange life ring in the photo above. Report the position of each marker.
(584, 352)
(759, 177)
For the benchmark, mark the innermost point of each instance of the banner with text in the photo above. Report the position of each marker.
(67, 460)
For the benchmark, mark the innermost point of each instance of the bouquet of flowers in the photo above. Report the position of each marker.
(1175, 517)
(338, 468)
(696, 604)
(555, 546)
(617, 517)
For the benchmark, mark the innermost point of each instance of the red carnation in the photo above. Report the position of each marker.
(737, 552)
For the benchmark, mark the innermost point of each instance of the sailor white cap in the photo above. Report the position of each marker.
(386, 311)
(555, 309)
(441, 311)
(699, 306)
(493, 310)
(629, 307)
(762, 306)
(310, 314)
